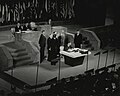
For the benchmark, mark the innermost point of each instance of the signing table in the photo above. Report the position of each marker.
(75, 56)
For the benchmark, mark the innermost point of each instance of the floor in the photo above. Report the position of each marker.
(47, 71)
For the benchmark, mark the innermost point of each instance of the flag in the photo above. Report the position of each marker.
(33, 2)
(70, 9)
(36, 3)
(62, 9)
(56, 8)
(16, 13)
(9, 16)
(14, 16)
(28, 4)
(6, 12)
(21, 12)
(0, 8)
(24, 7)
(0, 11)
(19, 6)
(46, 5)
(3, 13)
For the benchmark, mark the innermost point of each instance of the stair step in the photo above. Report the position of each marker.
(34, 63)
(22, 53)
(12, 45)
(19, 58)
(15, 50)
(23, 62)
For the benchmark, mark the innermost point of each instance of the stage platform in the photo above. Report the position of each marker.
(47, 71)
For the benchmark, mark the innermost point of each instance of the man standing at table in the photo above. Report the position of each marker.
(42, 43)
(53, 47)
(78, 39)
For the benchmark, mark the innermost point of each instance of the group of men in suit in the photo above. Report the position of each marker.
(54, 42)
(27, 26)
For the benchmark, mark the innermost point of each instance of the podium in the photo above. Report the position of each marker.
(75, 56)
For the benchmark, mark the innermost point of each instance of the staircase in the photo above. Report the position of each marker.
(20, 55)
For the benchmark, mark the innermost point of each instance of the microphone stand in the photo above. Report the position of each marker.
(106, 57)
(59, 68)
(87, 62)
(98, 59)
(113, 56)
(36, 76)
(12, 73)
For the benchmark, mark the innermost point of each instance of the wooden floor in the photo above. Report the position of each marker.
(48, 71)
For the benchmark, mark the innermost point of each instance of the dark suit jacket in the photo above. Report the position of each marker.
(26, 27)
(42, 41)
(53, 48)
(78, 39)
(18, 28)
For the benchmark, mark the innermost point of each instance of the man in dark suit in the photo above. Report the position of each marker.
(33, 26)
(26, 27)
(18, 27)
(78, 39)
(53, 47)
(42, 43)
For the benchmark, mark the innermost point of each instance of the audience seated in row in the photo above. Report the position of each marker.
(28, 26)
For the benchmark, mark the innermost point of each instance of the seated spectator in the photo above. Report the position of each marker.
(18, 27)
(26, 27)
(33, 26)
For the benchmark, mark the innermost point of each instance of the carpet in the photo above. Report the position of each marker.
(47, 65)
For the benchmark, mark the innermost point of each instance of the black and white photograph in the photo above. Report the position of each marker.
(59, 47)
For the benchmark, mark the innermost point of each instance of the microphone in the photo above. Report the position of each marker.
(106, 57)
(98, 58)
